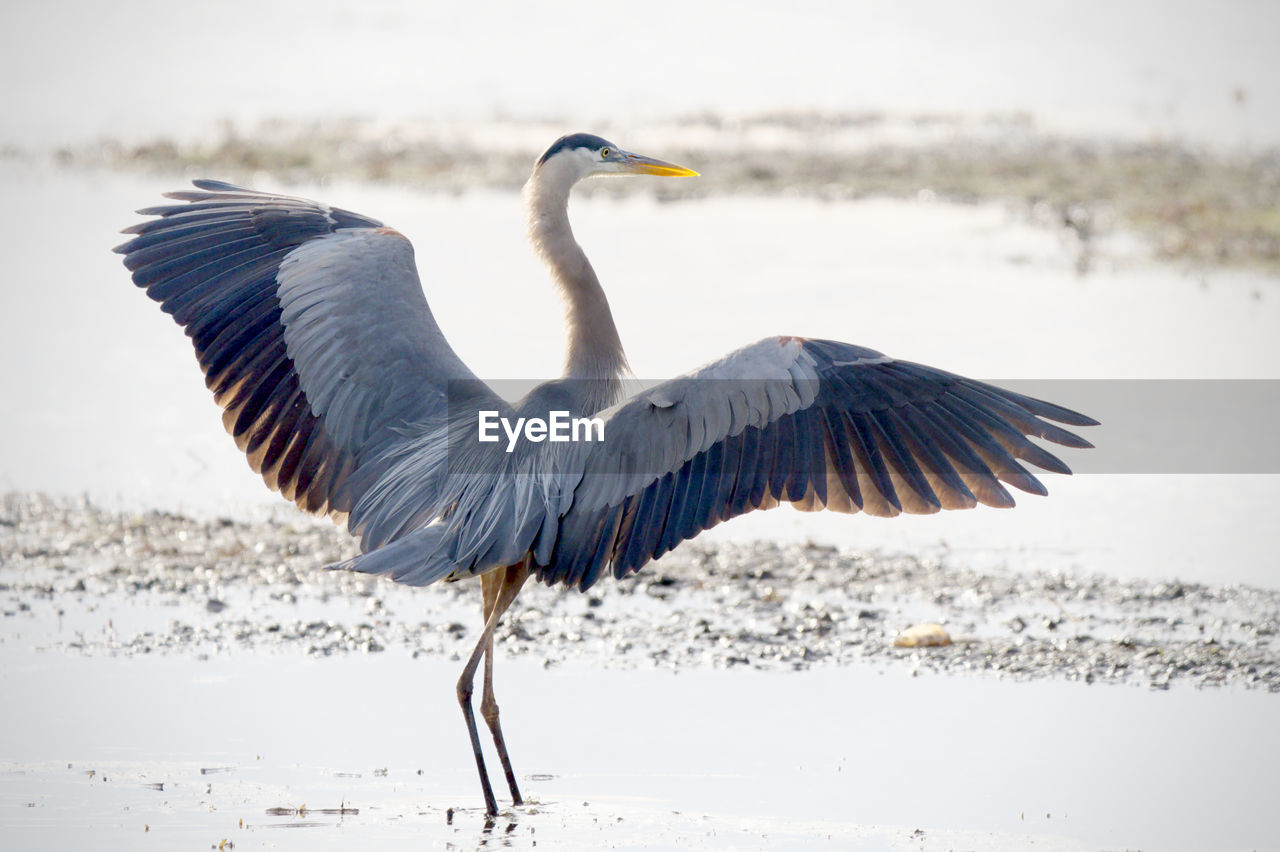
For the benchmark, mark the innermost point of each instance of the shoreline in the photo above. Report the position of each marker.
(1190, 203)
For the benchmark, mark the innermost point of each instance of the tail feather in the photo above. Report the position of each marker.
(417, 559)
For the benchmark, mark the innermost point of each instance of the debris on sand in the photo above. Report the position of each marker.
(923, 636)
(81, 579)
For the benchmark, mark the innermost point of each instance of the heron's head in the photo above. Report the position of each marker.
(582, 155)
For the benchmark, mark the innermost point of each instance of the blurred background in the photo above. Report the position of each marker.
(1165, 114)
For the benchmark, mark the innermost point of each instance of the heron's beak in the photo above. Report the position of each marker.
(641, 165)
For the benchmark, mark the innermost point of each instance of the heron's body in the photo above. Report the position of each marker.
(315, 336)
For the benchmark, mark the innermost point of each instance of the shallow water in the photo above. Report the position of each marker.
(723, 759)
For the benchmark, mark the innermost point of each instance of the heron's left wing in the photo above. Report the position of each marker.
(815, 423)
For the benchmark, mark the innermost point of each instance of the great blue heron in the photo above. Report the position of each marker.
(313, 333)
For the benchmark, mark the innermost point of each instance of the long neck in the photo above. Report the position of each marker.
(594, 350)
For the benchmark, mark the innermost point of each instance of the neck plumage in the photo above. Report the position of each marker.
(594, 349)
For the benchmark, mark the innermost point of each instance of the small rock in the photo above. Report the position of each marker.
(923, 636)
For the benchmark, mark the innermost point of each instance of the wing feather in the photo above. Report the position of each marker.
(835, 426)
(313, 333)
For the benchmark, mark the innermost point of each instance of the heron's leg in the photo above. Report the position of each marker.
(513, 578)
(491, 583)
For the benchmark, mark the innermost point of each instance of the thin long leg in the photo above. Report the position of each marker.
(490, 584)
(513, 578)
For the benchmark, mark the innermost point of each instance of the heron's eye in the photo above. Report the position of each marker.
(604, 153)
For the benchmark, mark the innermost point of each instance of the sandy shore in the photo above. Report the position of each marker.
(82, 579)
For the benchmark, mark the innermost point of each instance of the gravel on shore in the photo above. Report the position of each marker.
(78, 578)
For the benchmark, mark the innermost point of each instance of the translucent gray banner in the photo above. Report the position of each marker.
(1211, 426)
(1170, 425)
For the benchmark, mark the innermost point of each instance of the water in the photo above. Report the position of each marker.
(732, 759)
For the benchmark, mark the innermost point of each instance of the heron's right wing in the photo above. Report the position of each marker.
(312, 330)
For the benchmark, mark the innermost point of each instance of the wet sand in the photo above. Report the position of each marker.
(81, 579)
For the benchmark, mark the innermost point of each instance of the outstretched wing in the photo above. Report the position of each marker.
(314, 335)
(815, 423)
